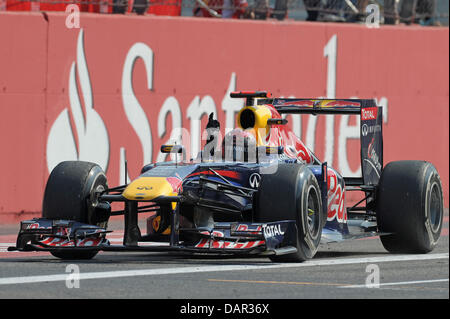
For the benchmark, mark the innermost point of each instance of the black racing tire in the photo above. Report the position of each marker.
(288, 194)
(410, 206)
(70, 194)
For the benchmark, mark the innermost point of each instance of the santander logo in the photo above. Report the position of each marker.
(93, 141)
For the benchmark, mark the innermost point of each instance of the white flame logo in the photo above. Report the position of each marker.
(93, 141)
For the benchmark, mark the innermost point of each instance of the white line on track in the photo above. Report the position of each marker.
(4, 247)
(397, 283)
(186, 270)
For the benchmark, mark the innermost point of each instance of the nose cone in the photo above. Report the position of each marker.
(148, 188)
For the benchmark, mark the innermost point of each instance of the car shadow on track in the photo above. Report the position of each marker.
(178, 258)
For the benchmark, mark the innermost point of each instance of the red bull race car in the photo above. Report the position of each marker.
(258, 191)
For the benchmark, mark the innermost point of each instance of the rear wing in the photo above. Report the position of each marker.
(371, 135)
(371, 125)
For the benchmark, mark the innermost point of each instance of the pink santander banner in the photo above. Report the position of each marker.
(119, 87)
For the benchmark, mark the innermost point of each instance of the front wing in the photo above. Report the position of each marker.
(272, 238)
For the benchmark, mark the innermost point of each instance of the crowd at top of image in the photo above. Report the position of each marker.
(423, 12)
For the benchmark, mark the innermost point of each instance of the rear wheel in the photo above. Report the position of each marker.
(410, 206)
(71, 193)
(293, 193)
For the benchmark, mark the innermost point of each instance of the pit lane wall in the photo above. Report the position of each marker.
(116, 88)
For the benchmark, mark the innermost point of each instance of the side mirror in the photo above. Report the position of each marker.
(277, 122)
(270, 150)
(172, 149)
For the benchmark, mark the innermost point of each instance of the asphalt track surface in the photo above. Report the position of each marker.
(338, 271)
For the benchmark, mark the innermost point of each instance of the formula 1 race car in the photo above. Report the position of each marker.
(259, 191)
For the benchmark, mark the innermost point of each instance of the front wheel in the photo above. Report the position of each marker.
(410, 206)
(70, 194)
(293, 193)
